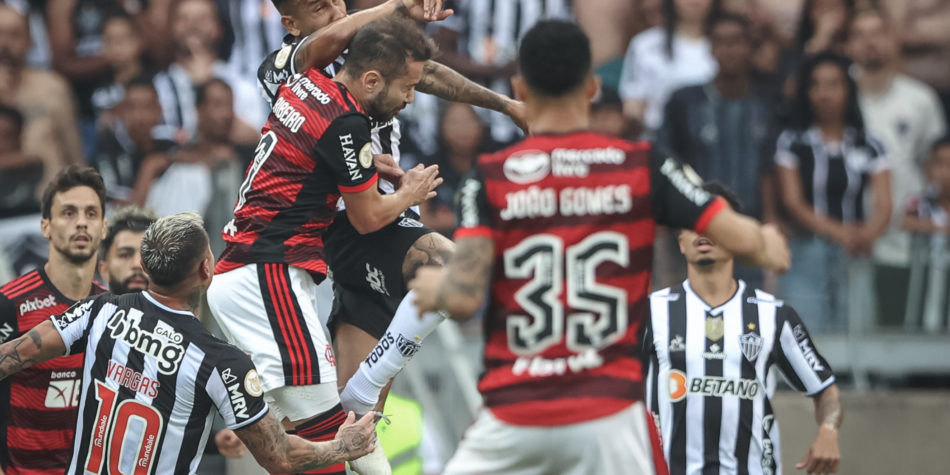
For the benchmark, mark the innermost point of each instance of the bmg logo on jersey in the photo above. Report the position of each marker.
(37, 304)
(163, 344)
(64, 390)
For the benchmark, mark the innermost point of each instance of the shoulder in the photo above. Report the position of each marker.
(689, 95)
(761, 297)
(865, 139)
(648, 40)
(915, 89)
(669, 294)
(21, 285)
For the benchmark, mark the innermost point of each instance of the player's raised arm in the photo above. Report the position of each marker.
(42, 343)
(277, 452)
(326, 44)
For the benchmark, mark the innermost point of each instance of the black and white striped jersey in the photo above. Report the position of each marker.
(711, 374)
(152, 377)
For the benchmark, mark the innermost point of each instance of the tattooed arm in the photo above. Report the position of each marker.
(40, 344)
(460, 287)
(278, 452)
(328, 43)
(432, 249)
(442, 81)
(824, 456)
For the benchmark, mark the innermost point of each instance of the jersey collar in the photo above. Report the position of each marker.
(149, 297)
(740, 289)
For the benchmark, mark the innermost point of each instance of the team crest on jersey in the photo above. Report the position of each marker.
(252, 384)
(751, 345)
(282, 56)
(677, 343)
(366, 156)
(714, 327)
(527, 166)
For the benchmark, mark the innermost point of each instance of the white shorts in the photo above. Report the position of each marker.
(619, 444)
(270, 312)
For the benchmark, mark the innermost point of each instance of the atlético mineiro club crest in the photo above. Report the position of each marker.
(751, 344)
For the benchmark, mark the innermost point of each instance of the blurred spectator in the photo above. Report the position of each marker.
(20, 174)
(606, 113)
(256, 30)
(648, 14)
(39, 55)
(723, 128)
(461, 139)
(822, 27)
(906, 116)
(661, 60)
(49, 130)
(481, 42)
(131, 139)
(196, 35)
(783, 16)
(609, 24)
(123, 49)
(928, 217)
(826, 163)
(923, 29)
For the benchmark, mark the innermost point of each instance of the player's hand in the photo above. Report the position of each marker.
(358, 437)
(420, 183)
(427, 283)
(388, 169)
(823, 455)
(516, 111)
(229, 444)
(776, 248)
(426, 10)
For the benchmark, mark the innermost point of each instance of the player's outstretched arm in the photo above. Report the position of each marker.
(40, 344)
(823, 455)
(753, 243)
(369, 210)
(278, 452)
(460, 287)
(324, 46)
(442, 81)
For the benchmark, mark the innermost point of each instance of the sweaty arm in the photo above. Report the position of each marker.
(679, 201)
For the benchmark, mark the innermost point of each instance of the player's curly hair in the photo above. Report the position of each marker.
(385, 45)
(555, 57)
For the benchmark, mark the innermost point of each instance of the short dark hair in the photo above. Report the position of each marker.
(280, 5)
(129, 218)
(14, 115)
(201, 93)
(725, 16)
(71, 177)
(555, 57)
(385, 45)
(718, 189)
(172, 247)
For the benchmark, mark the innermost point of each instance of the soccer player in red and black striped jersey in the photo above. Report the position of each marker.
(38, 406)
(316, 150)
(559, 229)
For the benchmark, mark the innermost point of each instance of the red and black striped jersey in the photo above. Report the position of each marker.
(572, 218)
(315, 145)
(38, 406)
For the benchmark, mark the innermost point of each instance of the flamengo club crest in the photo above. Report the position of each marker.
(751, 345)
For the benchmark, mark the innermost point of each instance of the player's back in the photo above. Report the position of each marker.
(289, 195)
(44, 398)
(153, 376)
(570, 217)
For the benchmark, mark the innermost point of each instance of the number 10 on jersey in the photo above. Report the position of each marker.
(128, 434)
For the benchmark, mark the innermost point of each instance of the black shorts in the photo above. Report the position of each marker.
(366, 269)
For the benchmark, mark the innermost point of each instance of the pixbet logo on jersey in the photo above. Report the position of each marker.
(37, 304)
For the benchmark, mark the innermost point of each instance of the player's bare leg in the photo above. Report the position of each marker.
(361, 392)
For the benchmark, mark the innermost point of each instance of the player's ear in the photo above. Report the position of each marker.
(519, 88)
(44, 227)
(372, 81)
(290, 25)
(592, 87)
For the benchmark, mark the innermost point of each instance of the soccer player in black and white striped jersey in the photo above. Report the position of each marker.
(711, 346)
(152, 373)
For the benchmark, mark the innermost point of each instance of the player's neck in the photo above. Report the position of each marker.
(70, 279)
(714, 283)
(555, 116)
(173, 298)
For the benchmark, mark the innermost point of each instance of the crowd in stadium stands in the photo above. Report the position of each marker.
(822, 116)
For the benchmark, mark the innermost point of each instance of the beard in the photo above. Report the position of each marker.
(379, 110)
(78, 256)
(706, 262)
(125, 286)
